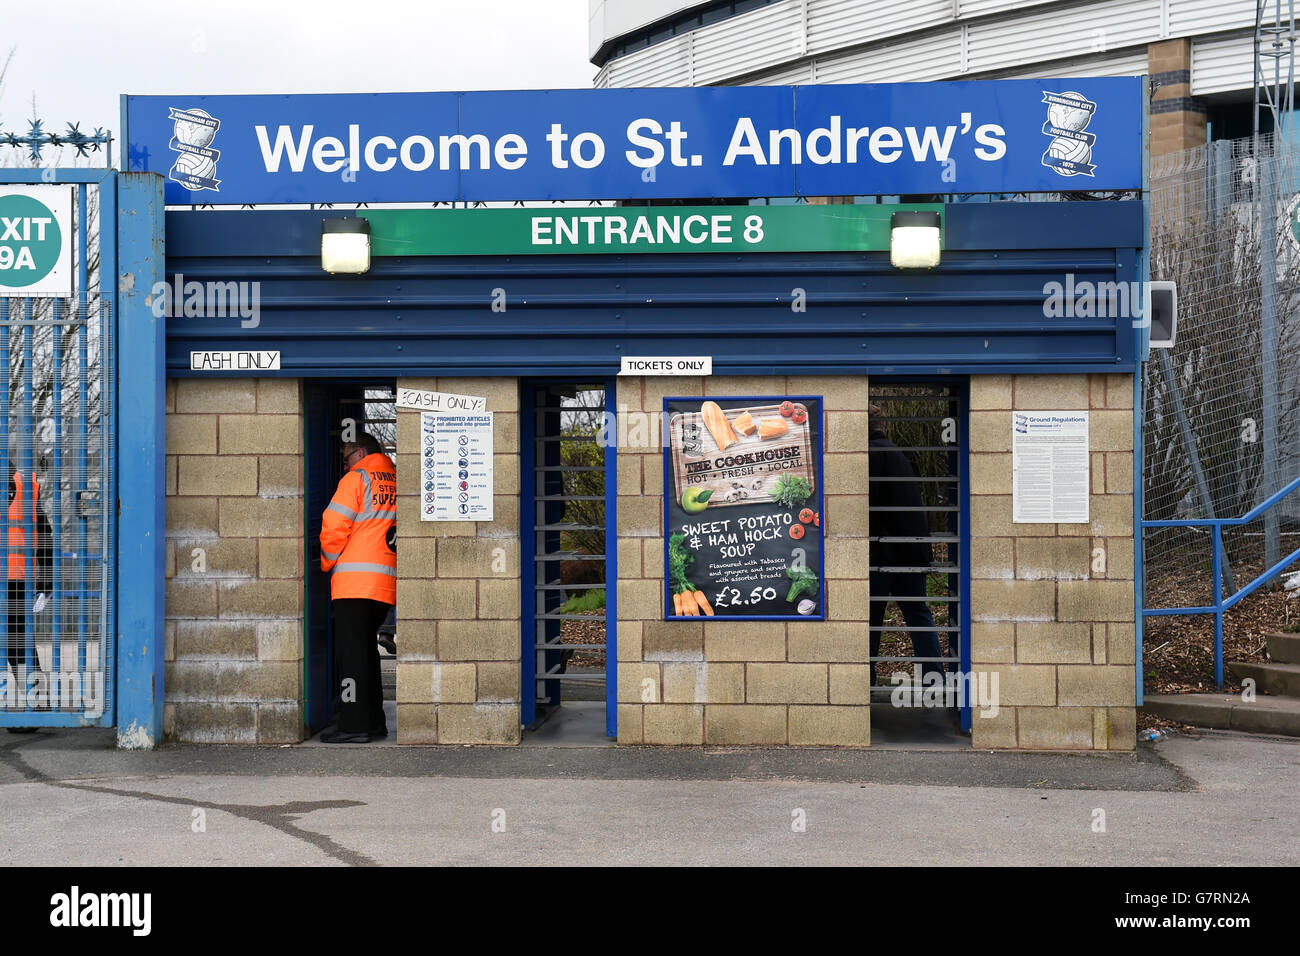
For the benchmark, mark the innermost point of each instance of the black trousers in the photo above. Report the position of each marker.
(16, 635)
(356, 657)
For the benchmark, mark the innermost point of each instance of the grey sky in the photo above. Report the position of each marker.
(76, 56)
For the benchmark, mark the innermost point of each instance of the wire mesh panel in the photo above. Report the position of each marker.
(57, 452)
(1221, 430)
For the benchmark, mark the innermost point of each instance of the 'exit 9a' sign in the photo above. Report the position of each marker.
(36, 241)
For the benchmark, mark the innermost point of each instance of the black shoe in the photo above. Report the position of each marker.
(379, 734)
(343, 737)
(388, 644)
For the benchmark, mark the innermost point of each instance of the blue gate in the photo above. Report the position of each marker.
(58, 453)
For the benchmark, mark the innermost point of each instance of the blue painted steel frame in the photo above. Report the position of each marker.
(821, 504)
(1222, 604)
(140, 460)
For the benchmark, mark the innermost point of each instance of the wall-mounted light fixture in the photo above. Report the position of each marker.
(345, 246)
(914, 240)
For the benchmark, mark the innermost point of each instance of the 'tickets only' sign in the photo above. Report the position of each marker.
(743, 492)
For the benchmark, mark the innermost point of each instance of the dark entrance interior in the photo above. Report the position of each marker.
(330, 408)
(567, 674)
(919, 556)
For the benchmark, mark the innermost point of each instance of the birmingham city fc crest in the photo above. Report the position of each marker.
(1070, 151)
(196, 166)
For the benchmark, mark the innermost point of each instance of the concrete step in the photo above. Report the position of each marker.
(1281, 680)
(1263, 715)
(1284, 648)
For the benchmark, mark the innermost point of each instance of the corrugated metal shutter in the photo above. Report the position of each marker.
(916, 60)
(834, 24)
(978, 8)
(747, 43)
(665, 64)
(1130, 62)
(1189, 17)
(791, 76)
(1058, 34)
(1220, 65)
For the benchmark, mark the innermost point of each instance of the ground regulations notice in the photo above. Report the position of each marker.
(1049, 467)
(743, 490)
(455, 467)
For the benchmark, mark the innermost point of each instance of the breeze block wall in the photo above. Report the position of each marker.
(1052, 605)
(458, 611)
(744, 682)
(234, 606)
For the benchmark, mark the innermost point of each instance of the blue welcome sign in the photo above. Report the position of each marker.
(701, 142)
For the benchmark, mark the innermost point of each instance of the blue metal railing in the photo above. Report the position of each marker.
(1222, 604)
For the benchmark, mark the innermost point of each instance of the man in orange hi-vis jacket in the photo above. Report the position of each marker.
(358, 543)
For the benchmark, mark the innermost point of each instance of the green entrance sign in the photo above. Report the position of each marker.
(638, 229)
(35, 241)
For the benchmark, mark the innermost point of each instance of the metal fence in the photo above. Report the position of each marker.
(1221, 430)
(57, 442)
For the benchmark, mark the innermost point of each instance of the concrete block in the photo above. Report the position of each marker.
(419, 638)
(169, 395)
(629, 473)
(279, 475)
(1053, 559)
(827, 641)
(212, 559)
(502, 394)
(505, 433)
(234, 681)
(674, 724)
(640, 600)
(629, 640)
(704, 683)
(216, 475)
(1052, 642)
(990, 392)
(744, 725)
(990, 517)
(781, 683)
(990, 474)
(850, 684)
(212, 640)
(838, 392)
(639, 517)
(846, 516)
(280, 723)
(279, 396)
(673, 641)
(191, 598)
(629, 557)
(992, 642)
(417, 723)
(260, 518)
(201, 722)
(1055, 728)
(846, 601)
(478, 724)
(744, 640)
(1091, 685)
(830, 726)
(656, 388)
(1096, 601)
(1020, 685)
(1119, 559)
(993, 558)
(259, 599)
(260, 435)
(846, 431)
(846, 473)
(1051, 392)
(440, 600)
(1119, 473)
(418, 557)
(989, 431)
(280, 558)
(498, 681)
(1121, 644)
(630, 730)
(171, 478)
(505, 474)
(652, 474)
(191, 434)
(846, 558)
(1119, 391)
(1120, 727)
(216, 395)
(476, 640)
(1110, 431)
(1014, 600)
(997, 732)
(652, 558)
(640, 684)
(498, 600)
(279, 640)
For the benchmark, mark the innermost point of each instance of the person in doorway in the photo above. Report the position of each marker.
(892, 483)
(358, 542)
(22, 496)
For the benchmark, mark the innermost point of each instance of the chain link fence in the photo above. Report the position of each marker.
(1220, 427)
